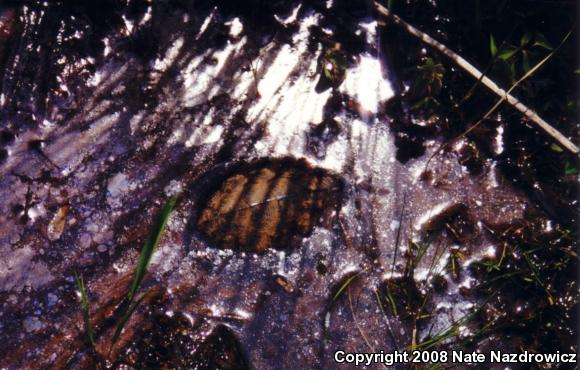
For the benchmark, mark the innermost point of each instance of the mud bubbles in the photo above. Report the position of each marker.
(265, 204)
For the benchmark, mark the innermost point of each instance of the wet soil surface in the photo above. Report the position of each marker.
(312, 215)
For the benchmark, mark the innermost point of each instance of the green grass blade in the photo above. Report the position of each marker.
(492, 46)
(150, 245)
(125, 318)
(392, 301)
(344, 286)
(85, 308)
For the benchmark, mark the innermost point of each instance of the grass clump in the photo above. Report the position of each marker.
(129, 304)
(150, 245)
(85, 309)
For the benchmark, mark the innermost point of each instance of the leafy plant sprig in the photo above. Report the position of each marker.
(149, 247)
(144, 261)
(85, 308)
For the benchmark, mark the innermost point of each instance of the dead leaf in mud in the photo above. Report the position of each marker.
(266, 204)
(57, 224)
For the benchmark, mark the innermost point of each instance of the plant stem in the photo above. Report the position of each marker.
(490, 84)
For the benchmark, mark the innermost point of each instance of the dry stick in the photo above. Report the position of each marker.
(486, 69)
(513, 101)
(524, 77)
(501, 100)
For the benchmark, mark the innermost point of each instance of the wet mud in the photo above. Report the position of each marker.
(316, 211)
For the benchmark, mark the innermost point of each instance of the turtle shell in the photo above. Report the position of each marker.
(266, 204)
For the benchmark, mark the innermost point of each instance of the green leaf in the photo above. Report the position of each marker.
(428, 65)
(526, 37)
(541, 41)
(577, 71)
(570, 170)
(85, 308)
(334, 66)
(526, 62)
(150, 245)
(492, 46)
(506, 54)
(555, 147)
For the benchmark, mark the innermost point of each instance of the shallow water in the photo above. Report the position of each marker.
(110, 112)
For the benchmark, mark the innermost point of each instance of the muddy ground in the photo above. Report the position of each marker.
(375, 239)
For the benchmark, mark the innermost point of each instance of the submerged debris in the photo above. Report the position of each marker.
(56, 226)
(266, 203)
(403, 298)
(221, 350)
(452, 217)
(112, 112)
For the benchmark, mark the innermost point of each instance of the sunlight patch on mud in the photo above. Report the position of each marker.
(365, 83)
